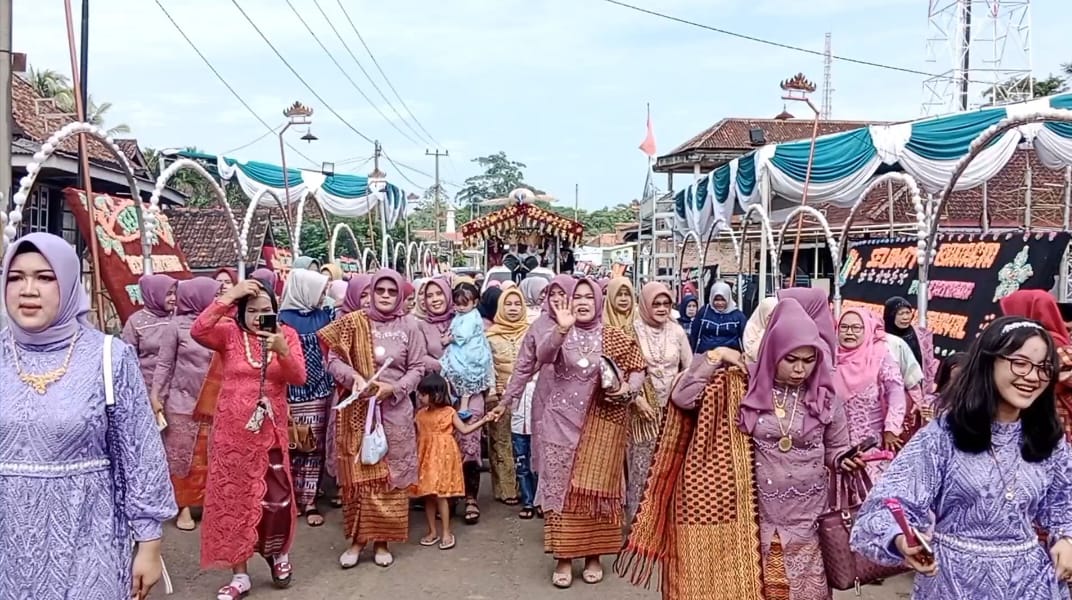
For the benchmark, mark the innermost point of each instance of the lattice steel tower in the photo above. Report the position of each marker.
(980, 52)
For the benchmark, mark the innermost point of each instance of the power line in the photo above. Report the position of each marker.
(298, 75)
(380, 69)
(347, 75)
(250, 143)
(362, 67)
(227, 85)
(403, 175)
(758, 40)
(418, 171)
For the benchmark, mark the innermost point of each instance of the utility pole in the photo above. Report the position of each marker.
(376, 174)
(5, 103)
(437, 154)
(576, 201)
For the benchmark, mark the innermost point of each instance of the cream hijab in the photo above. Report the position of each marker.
(756, 327)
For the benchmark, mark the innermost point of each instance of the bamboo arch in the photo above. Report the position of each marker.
(831, 243)
(340, 227)
(241, 245)
(247, 219)
(765, 229)
(929, 247)
(146, 222)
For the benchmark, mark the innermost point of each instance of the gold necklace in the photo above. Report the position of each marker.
(40, 382)
(256, 364)
(785, 443)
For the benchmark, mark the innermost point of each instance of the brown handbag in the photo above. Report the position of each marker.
(845, 569)
(301, 438)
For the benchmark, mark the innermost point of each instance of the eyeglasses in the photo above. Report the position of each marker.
(1021, 367)
(386, 291)
(851, 328)
(661, 304)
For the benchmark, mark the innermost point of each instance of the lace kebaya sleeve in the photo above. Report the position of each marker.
(148, 498)
(836, 435)
(549, 345)
(913, 478)
(1055, 509)
(892, 389)
(416, 350)
(165, 362)
(210, 330)
(342, 373)
(293, 363)
(690, 386)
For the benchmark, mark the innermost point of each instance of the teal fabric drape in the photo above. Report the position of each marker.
(836, 156)
(346, 186)
(700, 197)
(722, 183)
(746, 174)
(949, 138)
(679, 204)
(1062, 129)
(270, 175)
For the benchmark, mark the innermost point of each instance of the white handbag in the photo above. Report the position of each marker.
(109, 403)
(374, 442)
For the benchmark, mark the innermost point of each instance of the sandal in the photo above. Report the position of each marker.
(592, 576)
(281, 572)
(336, 502)
(313, 518)
(562, 580)
(472, 512)
(384, 559)
(429, 540)
(539, 512)
(527, 513)
(511, 502)
(349, 559)
(230, 592)
(448, 543)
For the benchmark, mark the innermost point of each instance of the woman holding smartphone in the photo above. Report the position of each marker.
(249, 497)
(980, 477)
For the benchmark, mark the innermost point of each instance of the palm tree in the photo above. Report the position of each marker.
(57, 86)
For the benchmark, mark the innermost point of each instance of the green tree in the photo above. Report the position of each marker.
(500, 177)
(57, 86)
(1052, 84)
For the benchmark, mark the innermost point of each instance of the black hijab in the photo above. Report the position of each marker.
(489, 303)
(908, 334)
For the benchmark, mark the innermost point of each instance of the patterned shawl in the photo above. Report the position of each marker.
(698, 520)
(598, 475)
(351, 338)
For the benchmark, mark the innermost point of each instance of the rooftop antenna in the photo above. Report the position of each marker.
(828, 89)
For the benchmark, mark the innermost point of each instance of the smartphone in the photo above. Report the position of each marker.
(267, 323)
(859, 449)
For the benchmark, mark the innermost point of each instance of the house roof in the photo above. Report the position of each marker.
(729, 138)
(207, 240)
(38, 118)
(130, 148)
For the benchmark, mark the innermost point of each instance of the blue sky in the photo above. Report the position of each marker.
(560, 85)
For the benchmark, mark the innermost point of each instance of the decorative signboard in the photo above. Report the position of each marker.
(968, 276)
(279, 260)
(348, 265)
(120, 251)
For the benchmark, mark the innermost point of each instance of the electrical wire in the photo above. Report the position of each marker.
(384, 75)
(403, 175)
(363, 70)
(759, 40)
(420, 172)
(250, 143)
(299, 77)
(223, 80)
(347, 75)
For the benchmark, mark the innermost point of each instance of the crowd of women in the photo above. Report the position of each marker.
(695, 441)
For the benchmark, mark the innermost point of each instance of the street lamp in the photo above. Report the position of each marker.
(297, 114)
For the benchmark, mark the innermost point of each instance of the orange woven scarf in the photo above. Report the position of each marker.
(698, 520)
(351, 338)
(598, 475)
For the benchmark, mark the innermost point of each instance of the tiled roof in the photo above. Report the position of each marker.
(732, 133)
(207, 239)
(133, 153)
(605, 239)
(39, 118)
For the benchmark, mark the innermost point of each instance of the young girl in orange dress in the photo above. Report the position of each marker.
(439, 460)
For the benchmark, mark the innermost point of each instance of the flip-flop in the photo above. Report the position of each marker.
(429, 541)
(527, 513)
(312, 512)
(511, 502)
(445, 545)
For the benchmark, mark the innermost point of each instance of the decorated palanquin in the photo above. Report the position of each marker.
(522, 223)
(119, 246)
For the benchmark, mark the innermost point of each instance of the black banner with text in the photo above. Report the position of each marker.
(968, 276)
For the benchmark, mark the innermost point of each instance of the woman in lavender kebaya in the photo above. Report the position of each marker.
(79, 479)
(143, 329)
(978, 480)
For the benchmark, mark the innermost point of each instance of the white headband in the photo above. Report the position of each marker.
(1018, 325)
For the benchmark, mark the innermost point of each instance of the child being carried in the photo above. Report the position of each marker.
(467, 360)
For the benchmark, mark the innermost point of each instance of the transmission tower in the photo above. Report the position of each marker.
(828, 90)
(981, 50)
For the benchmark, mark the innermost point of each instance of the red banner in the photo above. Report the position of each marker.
(280, 261)
(119, 247)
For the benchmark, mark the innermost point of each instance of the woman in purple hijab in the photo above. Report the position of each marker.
(80, 477)
(142, 330)
(180, 372)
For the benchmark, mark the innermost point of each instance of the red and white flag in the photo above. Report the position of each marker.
(648, 145)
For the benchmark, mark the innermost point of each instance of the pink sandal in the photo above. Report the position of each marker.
(230, 592)
(281, 572)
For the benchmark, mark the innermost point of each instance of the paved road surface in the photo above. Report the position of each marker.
(501, 558)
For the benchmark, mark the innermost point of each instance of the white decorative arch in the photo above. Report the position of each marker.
(296, 236)
(831, 243)
(718, 227)
(146, 222)
(413, 254)
(765, 230)
(929, 247)
(241, 246)
(689, 235)
(394, 258)
(340, 227)
(247, 219)
(368, 259)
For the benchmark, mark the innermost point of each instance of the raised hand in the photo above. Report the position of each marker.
(563, 313)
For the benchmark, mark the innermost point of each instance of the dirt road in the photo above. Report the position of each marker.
(501, 558)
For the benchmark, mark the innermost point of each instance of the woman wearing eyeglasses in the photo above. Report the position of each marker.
(868, 381)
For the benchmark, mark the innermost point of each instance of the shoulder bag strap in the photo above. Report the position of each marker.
(109, 374)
